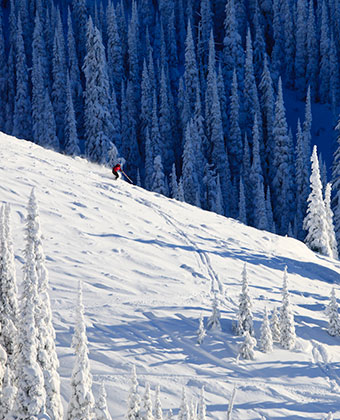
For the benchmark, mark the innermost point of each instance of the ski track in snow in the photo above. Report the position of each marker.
(203, 257)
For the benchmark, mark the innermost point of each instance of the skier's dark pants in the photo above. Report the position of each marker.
(116, 175)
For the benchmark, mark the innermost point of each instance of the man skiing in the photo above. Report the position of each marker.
(117, 168)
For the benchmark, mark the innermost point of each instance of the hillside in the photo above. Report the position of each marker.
(149, 267)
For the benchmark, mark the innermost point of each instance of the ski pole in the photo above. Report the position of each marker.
(127, 177)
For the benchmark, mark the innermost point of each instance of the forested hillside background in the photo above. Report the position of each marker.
(189, 93)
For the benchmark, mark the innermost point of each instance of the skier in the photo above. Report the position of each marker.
(117, 168)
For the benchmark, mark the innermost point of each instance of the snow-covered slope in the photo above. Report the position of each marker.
(150, 266)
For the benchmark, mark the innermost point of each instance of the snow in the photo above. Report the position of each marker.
(150, 266)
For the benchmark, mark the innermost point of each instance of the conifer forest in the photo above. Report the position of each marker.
(187, 94)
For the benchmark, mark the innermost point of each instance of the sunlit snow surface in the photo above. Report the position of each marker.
(150, 266)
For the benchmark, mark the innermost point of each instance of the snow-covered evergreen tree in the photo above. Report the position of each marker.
(147, 404)
(301, 179)
(81, 403)
(146, 100)
(114, 49)
(336, 186)
(282, 180)
(8, 314)
(259, 44)
(190, 181)
(233, 52)
(329, 218)
(287, 327)
(47, 354)
(58, 94)
(22, 123)
(245, 316)
(30, 396)
(247, 347)
(158, 178)
(267, 105)
(213, 322)
(289, 40)
(38, 101)
(193, 410)
(231, 404)
(201, 332)
(202, 408)
(155, 134)
(214, 123)
(301, 45)
(165, 127)
(251, 105)
(8, 390)
(173, 182)
(98, 122)
(242, 209)
(275, 325)
(313, 53)
(204, 29)
(269, 211)
(71, 141)
(3, 74)
(184, 412)
(315, 222)
(134, 401)
(101, 411)
(234, 144)
(191, 71)
(266, 339)
(74, 72)
(180, 194)
(49, 137)
(332, 311)
(8, 288)
(324, 75)
(277, 55)
(133, 48)
(80, 20)
(158, 406)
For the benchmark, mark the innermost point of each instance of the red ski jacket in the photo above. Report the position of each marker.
(116, 168)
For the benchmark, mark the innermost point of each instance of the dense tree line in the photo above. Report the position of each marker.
(188, 92)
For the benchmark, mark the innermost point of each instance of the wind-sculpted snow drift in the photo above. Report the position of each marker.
(150, 267)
